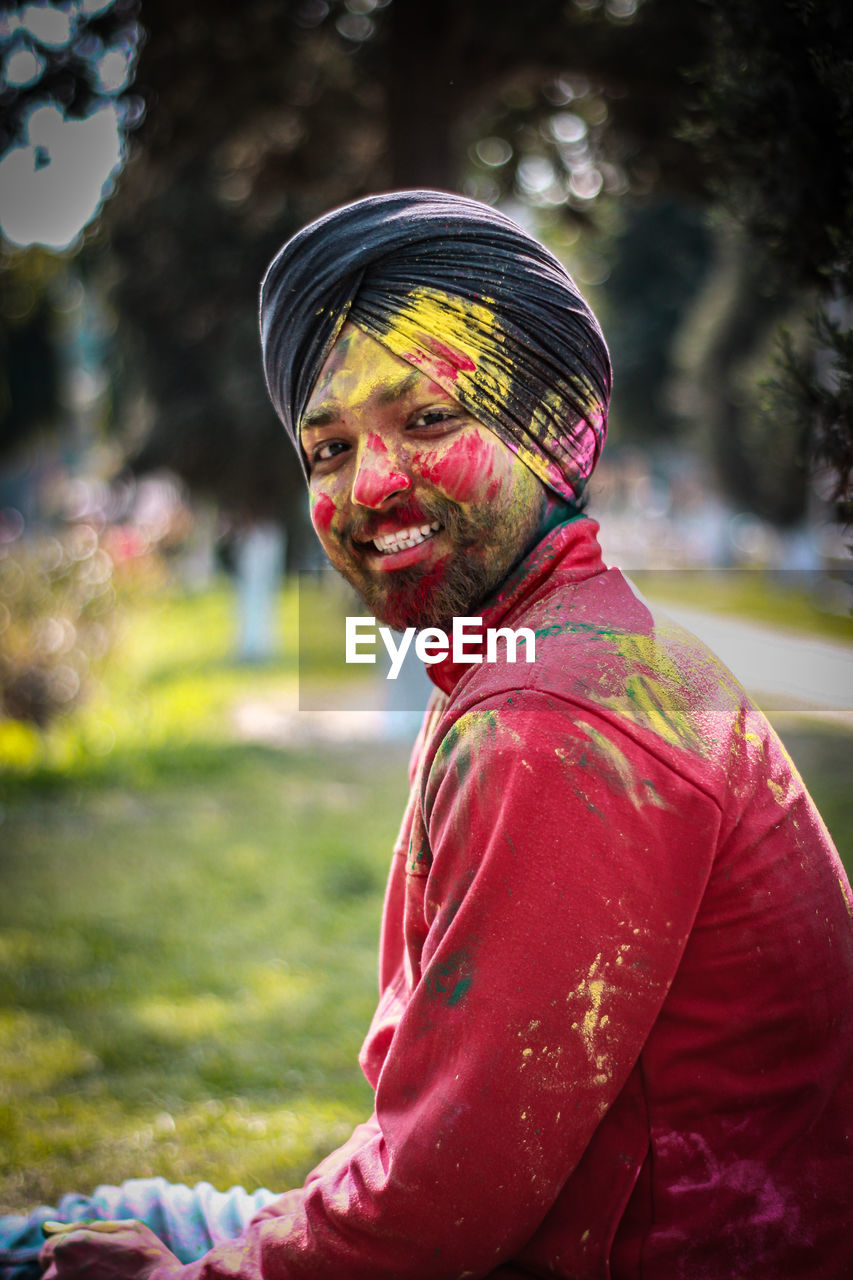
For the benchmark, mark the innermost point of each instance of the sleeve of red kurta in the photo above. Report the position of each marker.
(551, 892)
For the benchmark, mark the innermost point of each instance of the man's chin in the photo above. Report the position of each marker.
(433, 599)
(403, 614)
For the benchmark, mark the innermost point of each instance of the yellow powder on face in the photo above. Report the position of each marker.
(357, 369)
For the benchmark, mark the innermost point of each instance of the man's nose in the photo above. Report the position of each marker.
(379, 476)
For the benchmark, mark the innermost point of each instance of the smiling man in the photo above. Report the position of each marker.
(614, 1033)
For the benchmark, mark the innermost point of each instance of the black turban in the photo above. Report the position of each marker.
(460, 291)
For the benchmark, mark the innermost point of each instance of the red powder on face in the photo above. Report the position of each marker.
(375, 481)
(322, 513)
(375, 443)
(461, 469)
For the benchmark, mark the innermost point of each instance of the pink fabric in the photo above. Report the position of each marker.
(615, 1031)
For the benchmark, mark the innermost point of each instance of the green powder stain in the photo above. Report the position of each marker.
(419, 857)
(467, 738)
(450, 981)
(570, 628)
(459, 991)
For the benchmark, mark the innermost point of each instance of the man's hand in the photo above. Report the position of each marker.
(105, 1251)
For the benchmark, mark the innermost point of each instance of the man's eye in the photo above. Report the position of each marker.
(433, 417)
(328, 449)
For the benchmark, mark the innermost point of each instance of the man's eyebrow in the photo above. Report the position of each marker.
(323, 416)
(399, 389)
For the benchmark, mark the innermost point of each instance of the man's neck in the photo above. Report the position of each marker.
(555, 511)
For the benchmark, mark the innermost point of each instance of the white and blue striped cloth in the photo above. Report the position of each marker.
(189, 1220)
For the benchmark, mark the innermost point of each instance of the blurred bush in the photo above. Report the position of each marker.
(57, 605)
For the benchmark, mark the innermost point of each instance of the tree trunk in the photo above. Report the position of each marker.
(424, 92)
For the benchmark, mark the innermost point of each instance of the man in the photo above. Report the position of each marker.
(615, 1032)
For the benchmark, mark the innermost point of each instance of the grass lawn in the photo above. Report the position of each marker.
(188, 925)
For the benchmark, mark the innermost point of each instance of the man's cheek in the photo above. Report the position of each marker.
(461, 470)
(322, 513)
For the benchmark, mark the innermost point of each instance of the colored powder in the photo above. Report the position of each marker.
(375, 481)
(640, 792)
(460, 468)
(655, 691)
(322, 512)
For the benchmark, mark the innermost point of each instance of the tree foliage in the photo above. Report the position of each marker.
(773, 116)
(774, 119)
(29, 359)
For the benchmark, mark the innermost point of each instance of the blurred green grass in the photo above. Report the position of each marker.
(189, 922)
(188, 968)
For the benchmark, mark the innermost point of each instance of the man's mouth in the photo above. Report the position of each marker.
(388, 543)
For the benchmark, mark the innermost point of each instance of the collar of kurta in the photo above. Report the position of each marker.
(570, 551)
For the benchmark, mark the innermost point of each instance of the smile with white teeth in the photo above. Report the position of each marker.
(388, 542)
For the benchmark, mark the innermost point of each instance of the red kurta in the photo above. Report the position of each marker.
(615, 1034)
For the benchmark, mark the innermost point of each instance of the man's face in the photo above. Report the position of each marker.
(420, 507)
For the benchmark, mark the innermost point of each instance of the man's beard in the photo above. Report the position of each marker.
(428, 597)
(432, 595)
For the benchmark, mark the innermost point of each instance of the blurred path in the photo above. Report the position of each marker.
(805, 673)
(278, 722)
